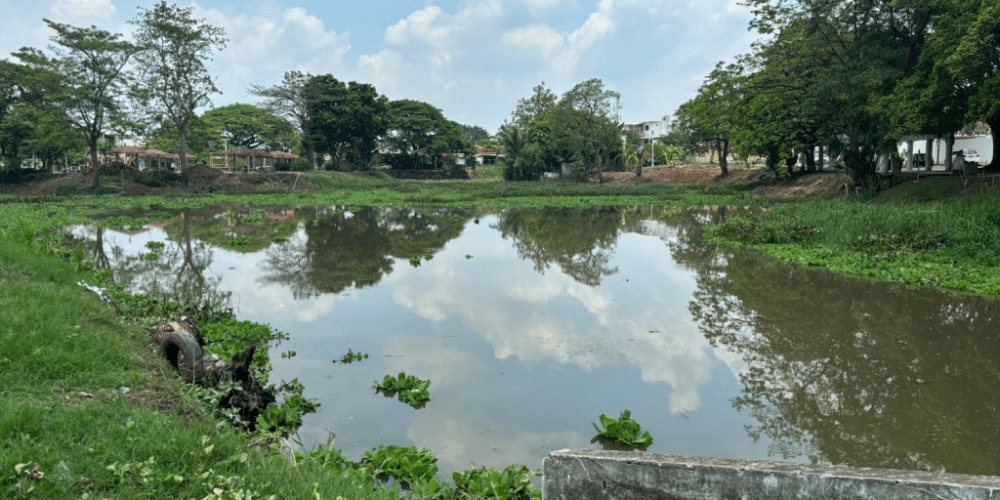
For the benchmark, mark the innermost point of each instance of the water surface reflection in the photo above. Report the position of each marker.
(530, 323)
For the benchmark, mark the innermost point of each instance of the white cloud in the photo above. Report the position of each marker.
(83, 8)
(265, 44)
(515, 315)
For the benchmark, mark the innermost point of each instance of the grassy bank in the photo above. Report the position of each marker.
(933, 232)
(88, 411)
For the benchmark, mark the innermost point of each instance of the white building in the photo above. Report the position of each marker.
(649, 131)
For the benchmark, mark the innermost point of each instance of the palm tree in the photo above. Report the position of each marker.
(512, 140)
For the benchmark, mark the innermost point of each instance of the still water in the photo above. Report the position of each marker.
(532, 323)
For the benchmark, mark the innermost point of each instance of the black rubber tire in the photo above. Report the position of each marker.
(182, 350)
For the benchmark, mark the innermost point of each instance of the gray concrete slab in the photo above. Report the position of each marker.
(599, 475)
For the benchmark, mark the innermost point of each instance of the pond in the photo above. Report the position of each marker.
(532, 323)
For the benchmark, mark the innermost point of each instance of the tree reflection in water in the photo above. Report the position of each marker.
(178, 271)
(578, 240)
(343, 248)
(864, 373)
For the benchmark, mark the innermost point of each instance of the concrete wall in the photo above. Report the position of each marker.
(593, 475)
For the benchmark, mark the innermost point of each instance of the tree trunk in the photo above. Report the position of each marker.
(723, 156)
(909, 154)
(638, 169)
(182, 151)
(810, 156)
(600, 170)
(821, 160)
(790, 163)
(949, 148)
(97, 168)
(928, 157)
(994, 124)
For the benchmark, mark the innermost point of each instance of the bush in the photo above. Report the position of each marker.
(65, 189)
(529, 166)
(300, 165)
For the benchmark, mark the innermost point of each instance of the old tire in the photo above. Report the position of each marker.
(182, 350)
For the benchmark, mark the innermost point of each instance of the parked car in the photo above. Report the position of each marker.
(971, 155)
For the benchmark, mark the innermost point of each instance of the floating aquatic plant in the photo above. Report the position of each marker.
(622, 433)
(411, 390)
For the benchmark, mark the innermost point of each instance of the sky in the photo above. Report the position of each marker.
(473, 59)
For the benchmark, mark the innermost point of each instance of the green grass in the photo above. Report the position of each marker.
(64, 359)
(950, 242)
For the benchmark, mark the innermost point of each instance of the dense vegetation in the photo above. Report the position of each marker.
(851, 79)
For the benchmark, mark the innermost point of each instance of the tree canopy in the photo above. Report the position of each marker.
(249, 126)
(346, 120)
(173, 80)
(421, 131)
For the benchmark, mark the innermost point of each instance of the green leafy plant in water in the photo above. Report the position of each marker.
(352, 356)
(286, 417)
(405, 465)
(512, 483)
(412, 390)
(622, 433)
(415, 261)
(155, 245)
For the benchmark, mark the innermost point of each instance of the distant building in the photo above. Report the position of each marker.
(649, 131)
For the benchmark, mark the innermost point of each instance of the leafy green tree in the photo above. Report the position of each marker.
(292, 100)
(972, 30)
(173, 80)
(865, 50)
(474, 133)
(597, 109)
(367, 115)
(420, 130)
(711, 115)
(540, 101)
(92, 62)
(249, 126)
(346, 120)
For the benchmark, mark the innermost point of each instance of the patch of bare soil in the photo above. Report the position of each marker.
(799, 187)
(203, 179)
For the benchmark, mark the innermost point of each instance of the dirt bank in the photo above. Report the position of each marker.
(208, 180)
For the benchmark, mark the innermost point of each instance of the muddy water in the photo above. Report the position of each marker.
(531, 323)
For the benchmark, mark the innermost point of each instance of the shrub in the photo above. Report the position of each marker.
(300, 165)
(529, 166)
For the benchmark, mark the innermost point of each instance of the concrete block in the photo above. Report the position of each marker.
(599, 475)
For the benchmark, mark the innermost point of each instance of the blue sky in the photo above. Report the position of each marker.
(472, 58)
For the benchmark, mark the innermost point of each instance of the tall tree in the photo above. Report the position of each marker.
(868, 48)
(291, 100)
(422, 132)
(598, 107)
(346, 119)
(710, 116)
(173, 79)
(540, 101)
(91, 62)
(974, 34)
